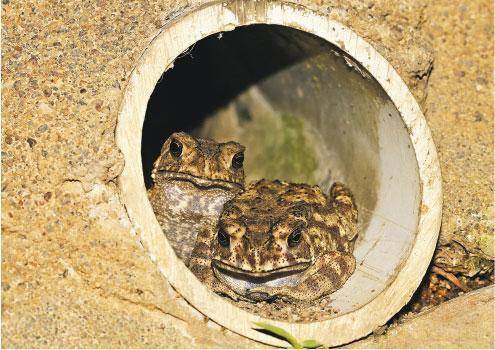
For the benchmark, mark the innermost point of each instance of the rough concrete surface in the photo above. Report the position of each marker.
(459, 323)
(72, 273)
(459, 109)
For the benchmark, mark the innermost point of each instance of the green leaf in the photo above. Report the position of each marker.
(281, 333)
(311, 344)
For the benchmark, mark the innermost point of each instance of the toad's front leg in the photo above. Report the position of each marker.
(328, 274)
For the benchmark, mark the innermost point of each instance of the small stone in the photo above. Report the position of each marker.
(32, 142)
(47, 92)
(380, 330)
(47, 196)
(98, 105)
(43, 128)
(5, 2)
(158, 24)
(479, 117)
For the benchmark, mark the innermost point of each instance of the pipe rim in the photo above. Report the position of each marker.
(159, 56)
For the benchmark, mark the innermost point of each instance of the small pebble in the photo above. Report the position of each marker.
(47, 92)
(43, 128)
(32, 142)
(479, 117)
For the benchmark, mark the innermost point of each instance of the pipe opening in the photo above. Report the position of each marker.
(306, 112)
(284, 81)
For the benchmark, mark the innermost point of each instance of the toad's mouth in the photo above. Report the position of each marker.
(201, 182)
(241, 280)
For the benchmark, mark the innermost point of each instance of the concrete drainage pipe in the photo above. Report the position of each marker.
(270, 75)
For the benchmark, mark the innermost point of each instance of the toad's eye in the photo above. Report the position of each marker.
(175, 148)
(294, 238)
(238, 160)
(223, 238)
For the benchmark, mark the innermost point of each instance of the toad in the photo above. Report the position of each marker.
(192, 179)
(279, 240)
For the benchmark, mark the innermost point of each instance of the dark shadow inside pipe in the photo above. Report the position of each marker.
(214, 71)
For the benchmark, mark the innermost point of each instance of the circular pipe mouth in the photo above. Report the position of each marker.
(312, 102)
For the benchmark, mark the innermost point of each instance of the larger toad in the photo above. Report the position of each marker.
(279, 240)
(193, 178)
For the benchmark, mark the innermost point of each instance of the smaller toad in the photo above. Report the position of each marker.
(279, 240)
(192, 179)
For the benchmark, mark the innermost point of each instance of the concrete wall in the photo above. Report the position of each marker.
(73, 274)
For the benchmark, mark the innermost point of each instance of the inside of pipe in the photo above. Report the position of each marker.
(306, 112)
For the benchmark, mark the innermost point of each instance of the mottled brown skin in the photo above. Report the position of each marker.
(263, 258)
(192, 179)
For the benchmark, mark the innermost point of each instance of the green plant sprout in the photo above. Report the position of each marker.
(282, 333)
